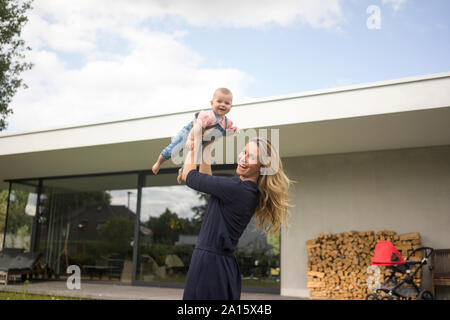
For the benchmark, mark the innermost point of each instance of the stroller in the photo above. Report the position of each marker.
(404, 286)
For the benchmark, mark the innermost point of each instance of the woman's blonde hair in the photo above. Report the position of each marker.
(273, 185)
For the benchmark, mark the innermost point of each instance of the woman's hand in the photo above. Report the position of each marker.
(191, 160)
(190, 144)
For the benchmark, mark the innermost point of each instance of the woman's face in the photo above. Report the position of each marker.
(249, 165)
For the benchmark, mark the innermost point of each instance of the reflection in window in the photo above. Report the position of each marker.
(173, 215)
(258, 256)
(3, 207)
(89, 222)
(22, 209)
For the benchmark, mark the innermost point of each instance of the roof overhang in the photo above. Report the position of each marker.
(405, 113)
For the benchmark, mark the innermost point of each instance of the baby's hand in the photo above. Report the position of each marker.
(233, 130)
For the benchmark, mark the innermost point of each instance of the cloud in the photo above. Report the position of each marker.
(212, 13)
(74, 26)
(395, 4)
(156, 75)
(179, 199)
(155, 200)
(256, 13)
(103, 60)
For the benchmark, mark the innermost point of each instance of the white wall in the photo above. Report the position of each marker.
(404, 190)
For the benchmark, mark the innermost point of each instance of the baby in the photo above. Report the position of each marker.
(209, 120)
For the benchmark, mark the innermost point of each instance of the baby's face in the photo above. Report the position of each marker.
(221, 103)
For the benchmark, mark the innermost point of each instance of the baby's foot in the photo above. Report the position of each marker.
(179, 176)
(156, 167)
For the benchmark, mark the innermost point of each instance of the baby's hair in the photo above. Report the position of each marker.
(223, 90)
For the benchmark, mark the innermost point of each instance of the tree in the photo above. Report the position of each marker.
(166, 227)
(3, 205)
(200, 210)
(12, 49)
(17, 217)
(117, 235)
(19, 222)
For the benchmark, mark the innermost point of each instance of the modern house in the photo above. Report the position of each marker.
(364, 157)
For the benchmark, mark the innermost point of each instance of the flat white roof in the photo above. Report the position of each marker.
(259, 101)
(400, 113)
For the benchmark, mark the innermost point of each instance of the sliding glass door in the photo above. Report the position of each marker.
(89, 222)
(171, 217)
(93, 222)
(18, 222)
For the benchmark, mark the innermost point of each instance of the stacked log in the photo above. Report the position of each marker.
(338, 263)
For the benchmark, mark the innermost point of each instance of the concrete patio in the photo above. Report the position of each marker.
(117, 291)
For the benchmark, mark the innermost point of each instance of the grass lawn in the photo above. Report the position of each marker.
(28, 296)
(263, 283)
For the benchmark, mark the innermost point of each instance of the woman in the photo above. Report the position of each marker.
(213, 271)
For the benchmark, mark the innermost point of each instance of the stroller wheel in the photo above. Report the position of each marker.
(425, 295)
(372, 296)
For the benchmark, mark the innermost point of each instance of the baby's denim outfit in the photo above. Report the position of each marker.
(183, 134)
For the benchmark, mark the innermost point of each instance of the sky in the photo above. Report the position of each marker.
(105, 60)
(155, 200)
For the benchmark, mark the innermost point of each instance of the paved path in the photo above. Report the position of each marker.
(94, 290)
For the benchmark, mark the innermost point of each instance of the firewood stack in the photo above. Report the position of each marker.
(338, 263)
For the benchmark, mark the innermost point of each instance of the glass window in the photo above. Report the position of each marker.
(3, 206)
(170, 221)
(258, 256)
(89, 222)
(172, 215)
(22, 209)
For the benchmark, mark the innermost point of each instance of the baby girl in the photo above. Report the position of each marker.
(209, 120)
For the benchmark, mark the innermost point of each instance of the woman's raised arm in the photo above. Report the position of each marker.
(190, 162)
(205, 165)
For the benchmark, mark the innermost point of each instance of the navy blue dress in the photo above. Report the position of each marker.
(214, 272)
